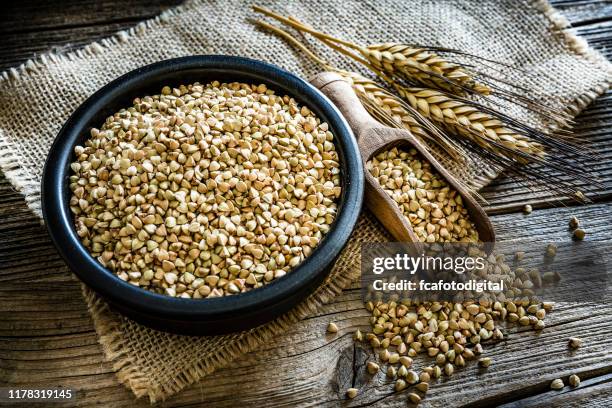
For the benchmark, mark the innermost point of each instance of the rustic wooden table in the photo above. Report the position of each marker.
(47, 337)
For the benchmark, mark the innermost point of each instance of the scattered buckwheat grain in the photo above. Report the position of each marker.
(557, 384)
(485, 362)
(579, 234)
(372, 367)
(575, 342)
(574, 380)
(574, 222)
(414, 398)
(352, 392)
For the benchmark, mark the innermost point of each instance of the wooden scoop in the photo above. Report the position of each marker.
(372, 138)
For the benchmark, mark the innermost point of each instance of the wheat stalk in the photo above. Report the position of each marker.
(415, 64)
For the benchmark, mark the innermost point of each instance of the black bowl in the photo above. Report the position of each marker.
(198, 316)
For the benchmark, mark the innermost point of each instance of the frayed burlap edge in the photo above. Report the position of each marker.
(105, 323)
(580, 47)
(14, 173)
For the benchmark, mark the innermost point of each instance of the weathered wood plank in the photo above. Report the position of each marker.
(598, 35)
(594, 128)
(581, 13)
(594, 392)
(37, 15)
(37, 27)
(19, 47)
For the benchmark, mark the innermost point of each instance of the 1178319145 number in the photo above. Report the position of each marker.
(36, 394)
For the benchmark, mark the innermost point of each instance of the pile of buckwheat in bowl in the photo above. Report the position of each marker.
(206, 190)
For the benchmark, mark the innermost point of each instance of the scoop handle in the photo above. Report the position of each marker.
(343, 96)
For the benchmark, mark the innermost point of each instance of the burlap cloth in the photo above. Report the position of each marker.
(36, 99)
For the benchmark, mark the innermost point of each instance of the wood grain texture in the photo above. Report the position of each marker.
(586, 12)
(594, 392)
(38, 16)
(30, 28)
(47, 337)
(594, 127)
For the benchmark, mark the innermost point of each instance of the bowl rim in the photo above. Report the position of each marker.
(59, 220)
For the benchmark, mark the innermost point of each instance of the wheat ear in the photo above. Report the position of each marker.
(458, 116)
(423, 67)
(392, 111)
(467, 120)
(503, 140)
